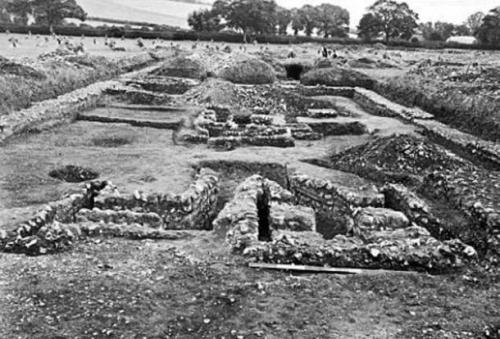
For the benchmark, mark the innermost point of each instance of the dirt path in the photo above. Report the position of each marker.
(194, 289)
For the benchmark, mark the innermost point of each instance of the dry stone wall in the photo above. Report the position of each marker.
(476, 193)
(55, 111)
(192, 209)
(42, 234)
(387, 243)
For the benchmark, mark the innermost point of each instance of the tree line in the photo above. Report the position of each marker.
(385, 19)
(266, 17)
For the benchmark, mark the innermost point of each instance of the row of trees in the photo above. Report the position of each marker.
(266, 17)
(389, 19)
(43, 12)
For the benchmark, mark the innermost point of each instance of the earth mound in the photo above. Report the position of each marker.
(71, 173)
(14, 68)
(397, 158)
(184, 67)
(336, 76)
(249, 71)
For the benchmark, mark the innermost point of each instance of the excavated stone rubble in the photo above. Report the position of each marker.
(402, 158)
(387, 227)
(389, 243)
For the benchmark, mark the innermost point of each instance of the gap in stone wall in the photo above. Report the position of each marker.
(263, 213)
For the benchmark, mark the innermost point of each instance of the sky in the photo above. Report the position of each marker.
(455, 11)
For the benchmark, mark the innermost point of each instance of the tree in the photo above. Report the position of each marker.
(444, 29)
(251, 16)
(332, 20)
(297, 23)
(474, 21)
(306, 19)
(53, 12)
(489, 31)
(462, 30)
(369, 27)
(283, 19)
(205, 20)
(20, 9)
(395, 20)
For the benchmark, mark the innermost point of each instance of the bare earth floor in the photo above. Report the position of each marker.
(194, 289)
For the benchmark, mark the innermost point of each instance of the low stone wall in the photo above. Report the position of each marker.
(283, 216)
(167, 85)
(370, 219)
(378, 105)
(326, 90)
(402, 249)
(49, 113)
(325, 195)
(260, 223)
(464, 144)
(126, 217)
(192, 209)
(138, 96)
(327, 128)
(41, 234)
(239, 219)
(259, 208)
(399, 198)
(62, 109)
(261, 141)
(303, 132)
(475, 193)
(270, 170)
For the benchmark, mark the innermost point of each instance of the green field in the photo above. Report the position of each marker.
(164, 12)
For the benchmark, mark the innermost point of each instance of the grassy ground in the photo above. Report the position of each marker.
(194, 289)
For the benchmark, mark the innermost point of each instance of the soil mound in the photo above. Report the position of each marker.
(397, 158)
(336, 76)
(14, 68)
(71, 173)
(184, 67)
(249, 71)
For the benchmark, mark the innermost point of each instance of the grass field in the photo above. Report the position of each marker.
(163, 12)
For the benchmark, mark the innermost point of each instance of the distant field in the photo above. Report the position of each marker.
(165, 12)
(33, 46)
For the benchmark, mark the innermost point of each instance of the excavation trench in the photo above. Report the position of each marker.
(263, 211)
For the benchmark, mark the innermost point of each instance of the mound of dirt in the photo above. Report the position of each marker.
(249, 71)
(336, 76)
(14, 68)
(184, 67)
(324, 63)
(71, 173)
(400, 158)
